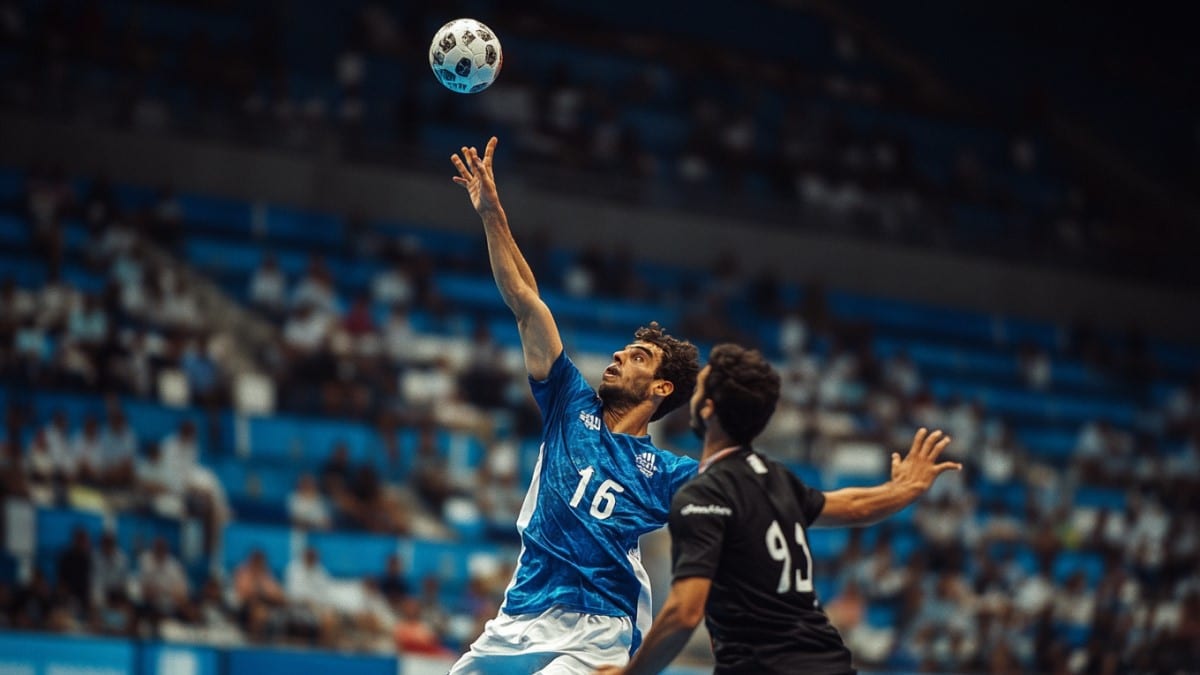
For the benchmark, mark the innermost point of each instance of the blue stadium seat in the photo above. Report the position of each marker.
(1100, 498)
(312, 441)
(277, 543)
(55, 526)
(827, 544)
(881, 616)
(222, 215)
(260, 510)
(137, 532)
(154, 421)
(307, 227)
(353, 555)
(448, 562)
(1070, 562)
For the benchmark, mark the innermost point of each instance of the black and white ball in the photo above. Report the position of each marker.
(465, 56)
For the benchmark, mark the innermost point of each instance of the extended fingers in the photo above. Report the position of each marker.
(489, 151)
(930, 441)
(947, 466)
(458, 164)
(937, 449)
(918, 439)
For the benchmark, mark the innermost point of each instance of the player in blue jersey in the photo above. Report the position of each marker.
(579, 597)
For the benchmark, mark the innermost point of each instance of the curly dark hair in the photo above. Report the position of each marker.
(680, 365)
(744, 389)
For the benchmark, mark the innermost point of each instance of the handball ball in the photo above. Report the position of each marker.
(465, 56)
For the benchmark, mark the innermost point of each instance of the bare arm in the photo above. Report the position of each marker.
(682, 612)
(911, 477)
(539, 334)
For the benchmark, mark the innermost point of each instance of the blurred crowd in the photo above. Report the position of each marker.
(977, 591)
(756, 139)
(99, 590)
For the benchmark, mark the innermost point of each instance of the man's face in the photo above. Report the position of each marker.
(698, 424)
(627, 380)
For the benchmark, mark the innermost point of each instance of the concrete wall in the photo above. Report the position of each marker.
(665, 236)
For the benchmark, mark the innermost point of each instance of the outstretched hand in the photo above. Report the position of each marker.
(920, 467)
(475, 174)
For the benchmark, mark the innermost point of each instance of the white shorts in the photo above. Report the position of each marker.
(555, 642)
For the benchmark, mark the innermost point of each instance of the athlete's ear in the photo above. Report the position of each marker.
(662, 388)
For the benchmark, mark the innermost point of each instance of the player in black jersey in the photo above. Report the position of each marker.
(738, 532)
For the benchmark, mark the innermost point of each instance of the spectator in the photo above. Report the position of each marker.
(392, 287)
(87, 452)
(316, 289)
(376, 618)
(309, 588)
(33, 605)
(110, 570)
(358, 322)
(115, 615)
(306, 507)
(56, 436)
(42, 470)
(305, 332)
(215, 619)
(88, 323)
(120, 445)
(259, 596)
(163, 583)
(398, 335)
(394, 584)
(268, 288)
(201, 370)
(413, 635)
(75, 571)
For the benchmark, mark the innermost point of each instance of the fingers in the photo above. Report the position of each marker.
(489, 151)
(918, 439)
(474, 159)
(458, 164)
(930, 441)
(946, 466)
(461, 181)
(937, 449)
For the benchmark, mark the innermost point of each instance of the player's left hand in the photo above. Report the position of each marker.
(920, 468)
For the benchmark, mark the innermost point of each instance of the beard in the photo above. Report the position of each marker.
(618, 398)
(697, 423)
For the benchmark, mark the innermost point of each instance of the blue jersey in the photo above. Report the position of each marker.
(593, 494)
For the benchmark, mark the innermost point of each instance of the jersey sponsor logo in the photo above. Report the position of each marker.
(590, 421)
(705, 510)
(645, 464)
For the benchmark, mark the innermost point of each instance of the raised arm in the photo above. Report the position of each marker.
(539, 334)
(911, 477)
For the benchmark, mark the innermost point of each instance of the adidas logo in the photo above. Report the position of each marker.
(590, 421)
(645, 464)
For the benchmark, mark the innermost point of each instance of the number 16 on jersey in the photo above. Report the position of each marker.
(604, 502)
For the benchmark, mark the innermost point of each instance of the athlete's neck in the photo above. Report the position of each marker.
(715, 441)
(633, 420)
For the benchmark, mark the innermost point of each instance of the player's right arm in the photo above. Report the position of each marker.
(540, 340)
(911, 477)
